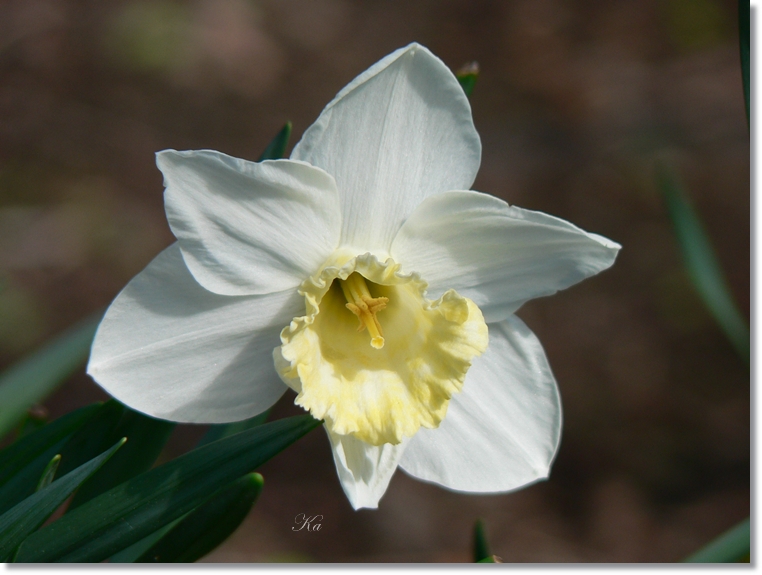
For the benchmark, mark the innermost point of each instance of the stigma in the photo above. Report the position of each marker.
(364, 306)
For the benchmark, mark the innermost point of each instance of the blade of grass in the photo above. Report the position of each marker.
(94, 437)
(22, 463)
(133, 552)
(218, 431)
(19, 454)
(744, 34)
(277, 147)
(17, 523)
(481, 547)
(146, 439)
(222, 430)
(207, 526)
(701, 262)
(49, 473)
(733, 546)
(35, 376)
(138, 507)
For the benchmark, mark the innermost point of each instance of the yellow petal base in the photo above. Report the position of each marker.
(378, 392)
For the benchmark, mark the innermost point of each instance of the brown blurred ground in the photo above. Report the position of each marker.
(575, 100)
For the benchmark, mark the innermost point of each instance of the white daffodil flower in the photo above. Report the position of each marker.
(363, 274)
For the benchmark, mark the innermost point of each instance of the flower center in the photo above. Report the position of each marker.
(386, 391)
(364, 306)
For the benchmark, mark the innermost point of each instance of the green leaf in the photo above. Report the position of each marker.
(467, 77)
(146, 439)
(222, 430)
(481, 547)
(133, 552)
(34, 377)
(733, 546)
(276, 149)
(49, 473)
(23, 451)
(93, 437)
(23, 462)
(208, 525)
(140, 506)
(17, 523)
(701, 262)
(744, 12)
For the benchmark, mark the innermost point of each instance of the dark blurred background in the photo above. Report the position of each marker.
(575, 101)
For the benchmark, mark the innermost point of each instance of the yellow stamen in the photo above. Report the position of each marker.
(364, 306)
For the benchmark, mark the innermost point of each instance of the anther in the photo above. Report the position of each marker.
(364, 306)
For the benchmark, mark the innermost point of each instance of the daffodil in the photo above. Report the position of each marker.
(363, 274)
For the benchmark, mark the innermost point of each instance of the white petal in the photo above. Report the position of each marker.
(364, 470)
(402, 130)
(171, 349)
(497, 255)
(249, 228)
(502, 431)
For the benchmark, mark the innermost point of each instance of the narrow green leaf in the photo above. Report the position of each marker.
(733, 546)
(93, 437)
(138, 507)
(23, 462)
(701, 262)
(744, 12)
(34, 377)
(133, 552)
(490, 559)
(17, 523)
(481, 547)
(276, 149)
(146, 438)
(467, 77)
(49, 473)
(208, 525)
(222, 430)
(23, 451)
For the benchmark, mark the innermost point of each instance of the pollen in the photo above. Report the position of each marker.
(364, 306)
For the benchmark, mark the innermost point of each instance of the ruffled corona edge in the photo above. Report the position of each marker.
(379, 395)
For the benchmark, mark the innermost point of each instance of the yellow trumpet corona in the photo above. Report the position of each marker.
(385, 391)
